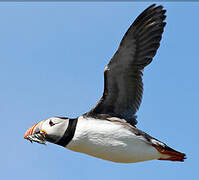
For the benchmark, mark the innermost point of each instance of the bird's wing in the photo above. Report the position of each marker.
(123, 85)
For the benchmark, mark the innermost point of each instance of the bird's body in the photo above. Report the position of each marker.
(111, 140)
(108, 131)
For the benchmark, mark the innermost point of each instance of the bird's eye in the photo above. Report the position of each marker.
(51, 123)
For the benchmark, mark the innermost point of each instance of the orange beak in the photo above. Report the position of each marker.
(29, 131)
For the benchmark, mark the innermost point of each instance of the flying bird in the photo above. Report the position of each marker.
(108, 131)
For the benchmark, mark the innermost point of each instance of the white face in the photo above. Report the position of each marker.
(53, 128)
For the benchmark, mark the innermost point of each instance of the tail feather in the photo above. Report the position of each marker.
(173, 154)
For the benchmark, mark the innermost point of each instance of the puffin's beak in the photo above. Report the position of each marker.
(29, 132)
(35, 134)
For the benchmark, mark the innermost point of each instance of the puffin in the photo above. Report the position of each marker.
(108, 131)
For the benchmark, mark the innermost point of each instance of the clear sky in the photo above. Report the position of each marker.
(51, 64)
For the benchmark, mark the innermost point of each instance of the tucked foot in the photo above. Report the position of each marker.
(173, 155)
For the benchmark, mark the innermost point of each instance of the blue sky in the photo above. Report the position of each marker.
(52, 60)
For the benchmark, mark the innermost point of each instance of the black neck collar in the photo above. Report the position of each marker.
(69, 133)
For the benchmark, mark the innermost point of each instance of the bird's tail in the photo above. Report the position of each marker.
(173, 155)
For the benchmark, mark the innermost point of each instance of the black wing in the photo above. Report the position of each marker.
(123, 85)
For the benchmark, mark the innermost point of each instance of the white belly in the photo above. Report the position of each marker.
(110, 141)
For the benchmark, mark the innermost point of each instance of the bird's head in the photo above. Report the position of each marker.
(51, 130)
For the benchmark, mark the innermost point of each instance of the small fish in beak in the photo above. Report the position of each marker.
(35, 134)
